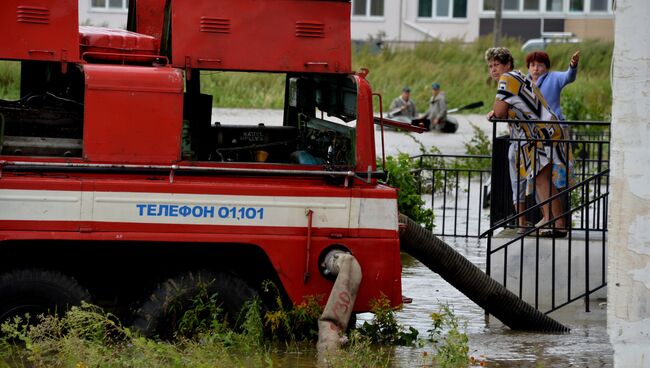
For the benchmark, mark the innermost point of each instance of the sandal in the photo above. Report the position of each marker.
(552, 233)
(559, 233)
(542, 222)
(522, 229)
(545, 232)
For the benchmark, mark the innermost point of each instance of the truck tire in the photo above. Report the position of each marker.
(38, 292)
(161, 313)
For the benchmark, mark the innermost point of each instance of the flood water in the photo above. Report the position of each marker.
(587, 345)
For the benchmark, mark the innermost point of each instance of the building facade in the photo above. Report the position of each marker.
(419, 20)
(104, 13)
(411, 21)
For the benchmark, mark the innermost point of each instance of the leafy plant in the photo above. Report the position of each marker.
(401, 174)
(202, 315)
(384, 328)
(479, 145)
(296, 323)
(449, 340)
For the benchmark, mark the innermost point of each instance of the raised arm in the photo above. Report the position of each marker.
(570, 75)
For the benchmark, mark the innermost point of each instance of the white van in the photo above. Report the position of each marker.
(548, 38)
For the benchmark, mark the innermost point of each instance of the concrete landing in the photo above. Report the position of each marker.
(560, 269)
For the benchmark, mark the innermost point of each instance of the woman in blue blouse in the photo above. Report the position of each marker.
(551, 83)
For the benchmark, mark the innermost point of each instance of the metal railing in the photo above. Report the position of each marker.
(546, 272)
(455, 186)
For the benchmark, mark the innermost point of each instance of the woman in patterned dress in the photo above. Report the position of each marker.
(544, 163)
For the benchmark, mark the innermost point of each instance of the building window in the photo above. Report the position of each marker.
(531, 5)
(511, 5)
(576, 5)
(443, 8)
(599, 5)
(368, 8)
(110, 4)
(554, 5)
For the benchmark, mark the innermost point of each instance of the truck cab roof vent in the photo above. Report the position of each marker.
(32, 14)
(310, 29)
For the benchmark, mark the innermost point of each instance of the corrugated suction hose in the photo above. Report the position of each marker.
(471, 281)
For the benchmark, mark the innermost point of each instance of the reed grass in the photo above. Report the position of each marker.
(459, 67)
(461, 71)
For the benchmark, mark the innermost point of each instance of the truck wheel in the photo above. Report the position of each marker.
(38, 292)
(163, 312)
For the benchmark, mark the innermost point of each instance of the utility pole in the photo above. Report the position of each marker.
(498, 7)
(401, 22)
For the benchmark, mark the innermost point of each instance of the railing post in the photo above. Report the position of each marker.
(587, 291)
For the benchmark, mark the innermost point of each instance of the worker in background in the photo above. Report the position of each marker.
(437, 112)
(403, 108)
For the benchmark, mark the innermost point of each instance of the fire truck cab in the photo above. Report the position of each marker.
(117, 180)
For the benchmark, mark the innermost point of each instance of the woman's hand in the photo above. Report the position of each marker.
(499, 110)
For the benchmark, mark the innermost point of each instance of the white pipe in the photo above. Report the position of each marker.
(333, 323)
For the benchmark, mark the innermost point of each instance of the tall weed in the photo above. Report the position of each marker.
(461, 70)
(293, 324)
(459, 67)
(449, 340)
(88, 337)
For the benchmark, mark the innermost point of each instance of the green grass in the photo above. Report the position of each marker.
(457, 66)
(244, 90)
(86, 336)
(9, 80)
(461, 70)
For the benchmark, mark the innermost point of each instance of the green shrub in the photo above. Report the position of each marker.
(479, 145)
(384, 329)
(292, 323)
(401, 175)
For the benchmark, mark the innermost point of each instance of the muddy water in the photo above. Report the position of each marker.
(586, 346)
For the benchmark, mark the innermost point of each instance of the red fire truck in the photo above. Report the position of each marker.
(117, 185)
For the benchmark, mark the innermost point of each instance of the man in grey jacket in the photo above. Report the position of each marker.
(403, 108)
(437, 112)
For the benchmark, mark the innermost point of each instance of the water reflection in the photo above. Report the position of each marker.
(586, 346)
